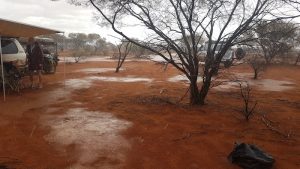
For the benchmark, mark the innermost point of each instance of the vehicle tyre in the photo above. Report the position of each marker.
(51, 67)
(227, 63)
(48, 66)
(54, 68)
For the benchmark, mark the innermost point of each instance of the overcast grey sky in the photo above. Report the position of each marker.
(62, 16)
(56, 15)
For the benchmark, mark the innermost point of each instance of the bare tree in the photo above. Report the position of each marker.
(78, 41)
(168, 21)
(123, 49)
(246, 96)
(275, 38)
(93, 37)
(100, 45)
(257, 64)
(138, 51)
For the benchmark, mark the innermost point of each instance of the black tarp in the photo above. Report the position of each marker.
(249, 156)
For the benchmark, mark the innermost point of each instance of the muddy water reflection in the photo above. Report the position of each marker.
(96, 136)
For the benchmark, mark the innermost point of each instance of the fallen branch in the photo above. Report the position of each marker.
(180, 100)
(268, 123)
(32, 131)
(188, 135)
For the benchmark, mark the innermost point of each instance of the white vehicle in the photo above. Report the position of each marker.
(14, 62)
(13, 52)
(228, 57)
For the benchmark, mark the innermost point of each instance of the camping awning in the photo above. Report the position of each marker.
(16, 29)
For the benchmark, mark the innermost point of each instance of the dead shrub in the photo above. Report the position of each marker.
(257, 64)
(248, 110)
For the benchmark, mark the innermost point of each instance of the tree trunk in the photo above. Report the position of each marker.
(120, 62)
(194, 92)
(204, 89)
(117, 69)
(255, 74)
(198, 97)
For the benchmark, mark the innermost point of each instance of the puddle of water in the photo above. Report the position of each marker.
(182, 78)
(226, 86)
(97, 70)
(88, 59)
(78, 83)
(120, 79)
(272, 85)
(96, 135)
(97, 59)
(243, 75)
(262, 84)
(87, 82)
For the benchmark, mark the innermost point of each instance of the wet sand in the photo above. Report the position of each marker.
(132, 119)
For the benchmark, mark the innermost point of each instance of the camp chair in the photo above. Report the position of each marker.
(12, 77)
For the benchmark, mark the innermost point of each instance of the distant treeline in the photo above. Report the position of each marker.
(89, 44)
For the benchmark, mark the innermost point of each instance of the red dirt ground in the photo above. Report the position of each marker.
(163, 133)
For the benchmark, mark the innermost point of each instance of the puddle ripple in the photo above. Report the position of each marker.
(96, 136)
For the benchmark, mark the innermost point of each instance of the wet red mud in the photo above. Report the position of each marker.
(141, 124)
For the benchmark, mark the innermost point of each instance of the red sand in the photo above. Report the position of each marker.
(162, 133)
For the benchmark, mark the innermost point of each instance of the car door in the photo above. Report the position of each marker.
(12, 51)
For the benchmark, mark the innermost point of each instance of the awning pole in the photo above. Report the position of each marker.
(2, 70)
(64, 60)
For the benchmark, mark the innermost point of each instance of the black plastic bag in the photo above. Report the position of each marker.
(249, 156)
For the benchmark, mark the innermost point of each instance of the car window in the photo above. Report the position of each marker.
(218, 48)
(8, 47)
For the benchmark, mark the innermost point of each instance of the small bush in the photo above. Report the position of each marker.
(248, 110)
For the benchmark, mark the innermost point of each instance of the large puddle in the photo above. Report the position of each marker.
(97, 59)
(87, 59)
(96, 136)
(272, 85)
(226, 84)
(78, 83)
(97, 70)
(128, 79)
(260, 84)
(182, 78)
(86, 82)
